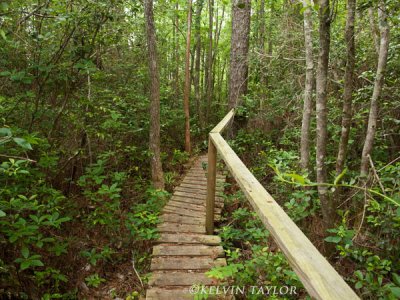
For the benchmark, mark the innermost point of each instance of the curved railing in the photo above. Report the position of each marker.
(318, 277)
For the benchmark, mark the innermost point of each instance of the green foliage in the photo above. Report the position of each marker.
(94, 280)
(262, 268)
(93, 256)
(143, 219)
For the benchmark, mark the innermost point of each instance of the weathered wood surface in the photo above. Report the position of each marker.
(184, 252)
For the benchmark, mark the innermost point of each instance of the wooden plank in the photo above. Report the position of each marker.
(189, 191)
(176, 227)
(201, 176)
(319, 278)
(188, 250)
(200, 207)
(197, 184)
(189, 194)
(175, 278)
(157, 293)
(189, 238)
(185, 212)
(175, 218)
(219, 202)
(188, 212)
(224, 122)
(179, 293)
(186, 263)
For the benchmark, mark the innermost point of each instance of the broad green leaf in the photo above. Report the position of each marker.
(358, 285)
(37, 263)
(3, 34)
(25, 265)
(333, 239)
(25, 252)
(5, 132)
(396, 278)
(359, 274)
(23, 143)
(395, 291)
(2, 213)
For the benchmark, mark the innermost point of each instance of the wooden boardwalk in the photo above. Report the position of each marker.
(184, 252)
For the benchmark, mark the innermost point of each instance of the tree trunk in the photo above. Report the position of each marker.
(378, 84)
(197, 91)
(328, 208)
(261, 41)
(209, 57)
(348, 86)
(239, 51)
(187, 80)
(154, 141)
(176, 52)
(374, 30)
(308, 89)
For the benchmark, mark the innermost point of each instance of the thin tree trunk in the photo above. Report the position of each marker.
(176, 52)
(328, 208)
(154, 141)
(263, 78)
(378, 84)
(374, 30)
(348, 86)
(308, 89)
(197, 91)
(239, 51)
(187, 80)
(209, 57)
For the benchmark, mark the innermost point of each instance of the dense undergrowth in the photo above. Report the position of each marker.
(92, 243)
(367, 246)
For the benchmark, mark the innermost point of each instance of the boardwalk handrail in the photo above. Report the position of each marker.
(319, 278)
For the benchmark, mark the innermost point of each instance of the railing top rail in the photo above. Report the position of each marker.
(224, 122)
(320, 279)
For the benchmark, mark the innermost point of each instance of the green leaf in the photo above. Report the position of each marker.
(2, 213)
(5, 132)
(395, 291)
(37, 263)
(396, 278)
(359, 274)
(23, 143)
(333, 239)
(296, 177)
(358, 285)
(340, 176)
(25, 252)
(3, 35)
(25, 265)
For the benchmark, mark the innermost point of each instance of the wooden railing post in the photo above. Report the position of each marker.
(211, 183)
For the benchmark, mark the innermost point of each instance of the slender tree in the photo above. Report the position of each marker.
(348, 86)
(308, 89)
(154, 141)
(239, 51)
(209, 73)
(196, 79)
(187, 79)
(328, 208)
(374, 29)
(378, 84)
(176, 51)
